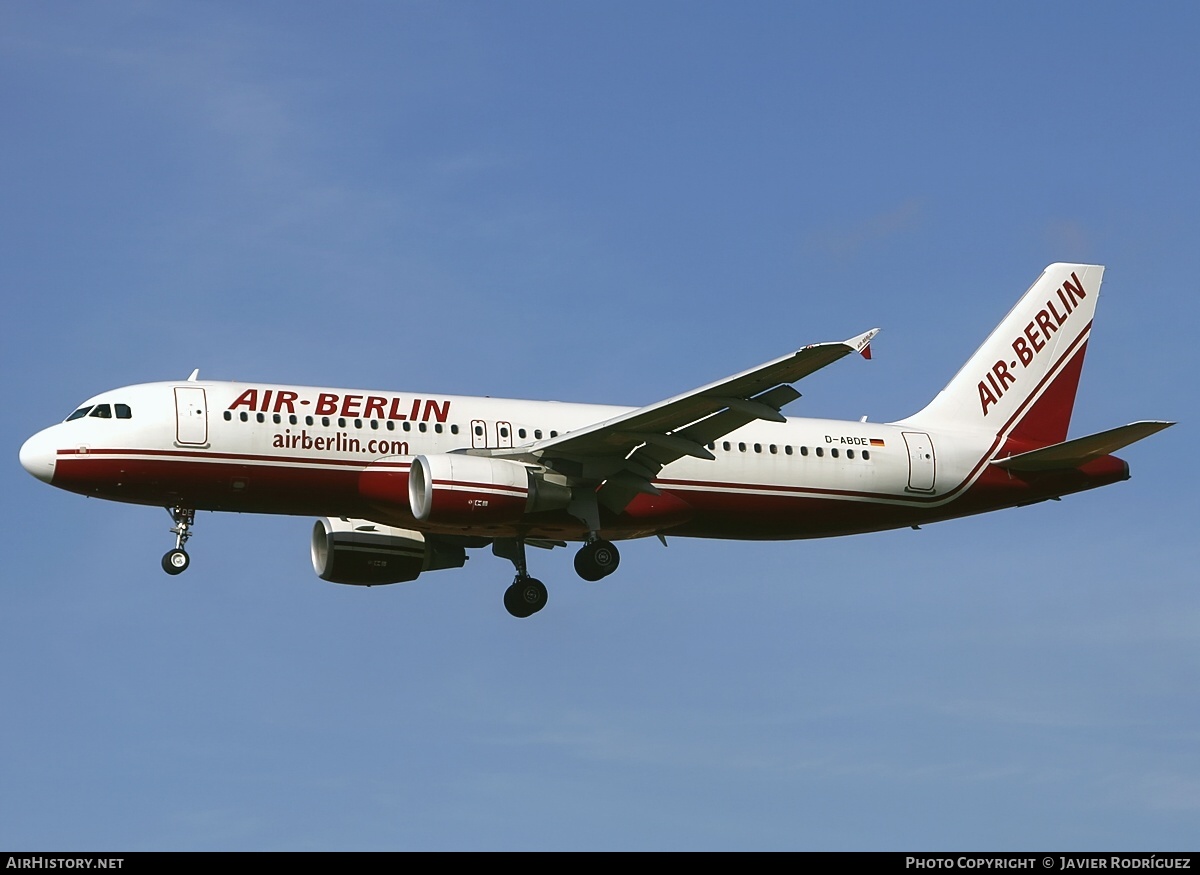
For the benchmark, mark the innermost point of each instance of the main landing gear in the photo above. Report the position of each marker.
(527, 595)
(176, 561)
(597, 559)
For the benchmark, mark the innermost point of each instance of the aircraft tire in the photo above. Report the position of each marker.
(525, 597)
(175, 561)
(597, 560)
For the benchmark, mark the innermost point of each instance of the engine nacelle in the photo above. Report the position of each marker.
(462, 490)
(454, 489)
(363, 553)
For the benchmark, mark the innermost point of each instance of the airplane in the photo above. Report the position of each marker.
(405, 483)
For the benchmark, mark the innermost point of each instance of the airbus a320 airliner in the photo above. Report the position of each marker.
(405, 483)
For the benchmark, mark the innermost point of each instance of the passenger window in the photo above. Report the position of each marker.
(276, 418)
(787, 450)
(773, 449)
(741, 447)
(101, 411)
(308, 420)
(804, 451)
(437, 426)
(292, 419)
(260, 417)
(341, 422)
(866, 455)
(521, 433)
(834, 452)
(537, 434)
(244, 416)
(123, 411)
(454, 429)
(849, 454)
(758, 448)
(422, 427)
(228, 416)
(375, 424)
(358, 423)
(820, 452)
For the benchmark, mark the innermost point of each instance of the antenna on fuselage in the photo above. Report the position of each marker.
(195, 375)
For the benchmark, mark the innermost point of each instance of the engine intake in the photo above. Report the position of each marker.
(451, 489)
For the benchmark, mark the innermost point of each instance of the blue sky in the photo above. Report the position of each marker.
(614, 203)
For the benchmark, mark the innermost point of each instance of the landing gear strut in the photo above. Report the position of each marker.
(527, 595)
(596, 559)
(176, 561)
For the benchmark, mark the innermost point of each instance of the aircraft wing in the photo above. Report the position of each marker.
(626, 452)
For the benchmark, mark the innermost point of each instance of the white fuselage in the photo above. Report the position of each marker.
(302, 450)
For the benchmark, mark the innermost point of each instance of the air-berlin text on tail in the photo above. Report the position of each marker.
(336, 404)
(1031, 341)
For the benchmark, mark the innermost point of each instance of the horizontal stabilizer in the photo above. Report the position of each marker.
(1072, 454)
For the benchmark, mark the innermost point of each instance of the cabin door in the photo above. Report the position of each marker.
(921, 462)
(191, 415)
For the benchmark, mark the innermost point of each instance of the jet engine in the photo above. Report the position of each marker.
(462, 490)
(363, 553)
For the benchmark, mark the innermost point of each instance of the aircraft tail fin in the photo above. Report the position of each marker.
(1021, 382)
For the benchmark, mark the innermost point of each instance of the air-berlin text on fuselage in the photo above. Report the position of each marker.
(336, 404)
(1031, 341)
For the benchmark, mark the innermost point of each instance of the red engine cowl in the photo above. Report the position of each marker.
(451, 489)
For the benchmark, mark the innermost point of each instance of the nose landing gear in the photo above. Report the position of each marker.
(176, 561)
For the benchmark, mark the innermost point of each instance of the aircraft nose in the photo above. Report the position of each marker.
(37, 456)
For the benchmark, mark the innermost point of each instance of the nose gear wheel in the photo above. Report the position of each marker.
(176, 561)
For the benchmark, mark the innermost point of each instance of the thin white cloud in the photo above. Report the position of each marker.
(849, 241)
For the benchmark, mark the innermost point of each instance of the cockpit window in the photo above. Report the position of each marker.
(102, 411)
